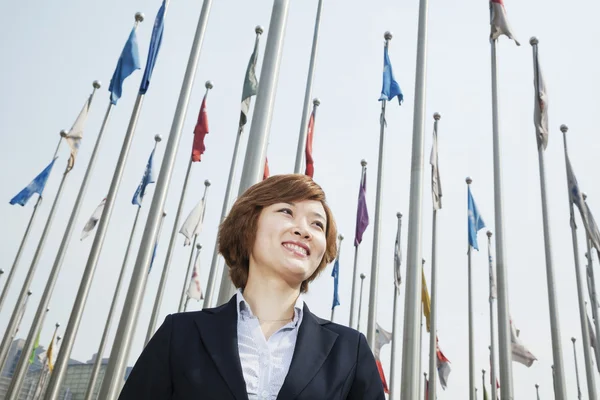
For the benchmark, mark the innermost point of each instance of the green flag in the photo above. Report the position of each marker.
(250, 84)
(35, 346)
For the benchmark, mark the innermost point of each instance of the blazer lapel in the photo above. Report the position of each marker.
(312, 348)
(218, 330)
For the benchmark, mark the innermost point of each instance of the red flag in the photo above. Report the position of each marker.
(266, 172)
(310, 168)
(382, 375)
(200, 131)
(426, 388)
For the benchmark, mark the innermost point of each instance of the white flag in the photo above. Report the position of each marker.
(520, 353)
(540, 110)
(93, 221)
(195, 290)
(593, 342)
(436, 184)
(76, 133)
(193, 223)
(493, 291)
(443, 366)
(382, 337)
(499, 22)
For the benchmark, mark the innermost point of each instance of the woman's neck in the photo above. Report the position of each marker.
(270, 299)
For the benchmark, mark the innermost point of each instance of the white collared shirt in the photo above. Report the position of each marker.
(265, 363)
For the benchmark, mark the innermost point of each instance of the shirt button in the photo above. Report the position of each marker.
(265, 394)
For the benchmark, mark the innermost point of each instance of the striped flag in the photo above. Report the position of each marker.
(382, 337)
(194, 289)
(443, 365)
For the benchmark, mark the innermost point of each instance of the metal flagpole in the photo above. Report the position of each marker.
(340, 239)
(505, 354)
(593, 295)
(351, 324)
(593, 298)
(214, 265)
(4, 346)
(412, 333)
(307, 94)
(553, 306)
(20, 372)
(13, 391)
(433, 313)
(44, 371)
(13, 269)
(492, 319)
(174, 233)
(191, 260)
(373, 292)
(589, 370)
(98, 362)
(421, 330)
(90, 268)
(113, 377)
(576, 368)
(362, 280)
(258, 138)
(537, 391)
(483, 380)
(471, 332)
(184, 297)
(19, 320)
(394, 320)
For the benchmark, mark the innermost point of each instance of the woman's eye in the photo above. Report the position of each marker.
(286, 211)
(320, 224)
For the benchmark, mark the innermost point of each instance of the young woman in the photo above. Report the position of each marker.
(264, 343)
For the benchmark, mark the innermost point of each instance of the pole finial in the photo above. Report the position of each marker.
(64, 133)
(97, 84)
(537, 386)
(483, 371)
(139, 16)
(340, 237)
(469, 180)
(388, 35)
(437, 116)
(1, 271)
(57, 324)
(363, 162)
(198, 246)
(207, 183)
(564, 128)
(399, 215)
(208, 84)
(29, 292)
(573, 339)
(533, 41)
(362, 276)
(423, 261)
(157, 138)
(164, 214)
(584, 195)
(316, 102)
(259, 30)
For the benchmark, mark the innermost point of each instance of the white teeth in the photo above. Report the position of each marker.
(296, 248)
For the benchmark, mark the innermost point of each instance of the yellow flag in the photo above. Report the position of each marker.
(426, 301)
(49, 355)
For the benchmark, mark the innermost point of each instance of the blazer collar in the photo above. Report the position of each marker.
(312, 348)
(218, 330)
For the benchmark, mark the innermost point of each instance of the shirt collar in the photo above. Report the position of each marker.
(244, 310)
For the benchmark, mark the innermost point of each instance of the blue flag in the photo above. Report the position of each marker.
(155, 41)
(128, 62)
(475, 221)
(35, 186)
(390, 87)
(335, 272)
(147, 179)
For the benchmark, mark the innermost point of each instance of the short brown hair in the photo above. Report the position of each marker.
(237, 233)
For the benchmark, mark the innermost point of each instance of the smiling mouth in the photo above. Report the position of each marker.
(297, 249)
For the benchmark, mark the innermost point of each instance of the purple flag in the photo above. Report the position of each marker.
(362, 214)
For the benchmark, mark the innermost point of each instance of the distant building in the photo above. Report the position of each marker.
(74, 385)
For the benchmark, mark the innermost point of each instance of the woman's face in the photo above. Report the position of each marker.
(290, 240)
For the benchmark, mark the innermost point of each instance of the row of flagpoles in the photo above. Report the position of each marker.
(417, 304)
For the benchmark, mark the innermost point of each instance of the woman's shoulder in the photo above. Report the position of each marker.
(343, 332)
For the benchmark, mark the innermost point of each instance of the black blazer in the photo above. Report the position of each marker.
(195, 356)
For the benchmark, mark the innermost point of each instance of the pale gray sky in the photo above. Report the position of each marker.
(53, 53)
